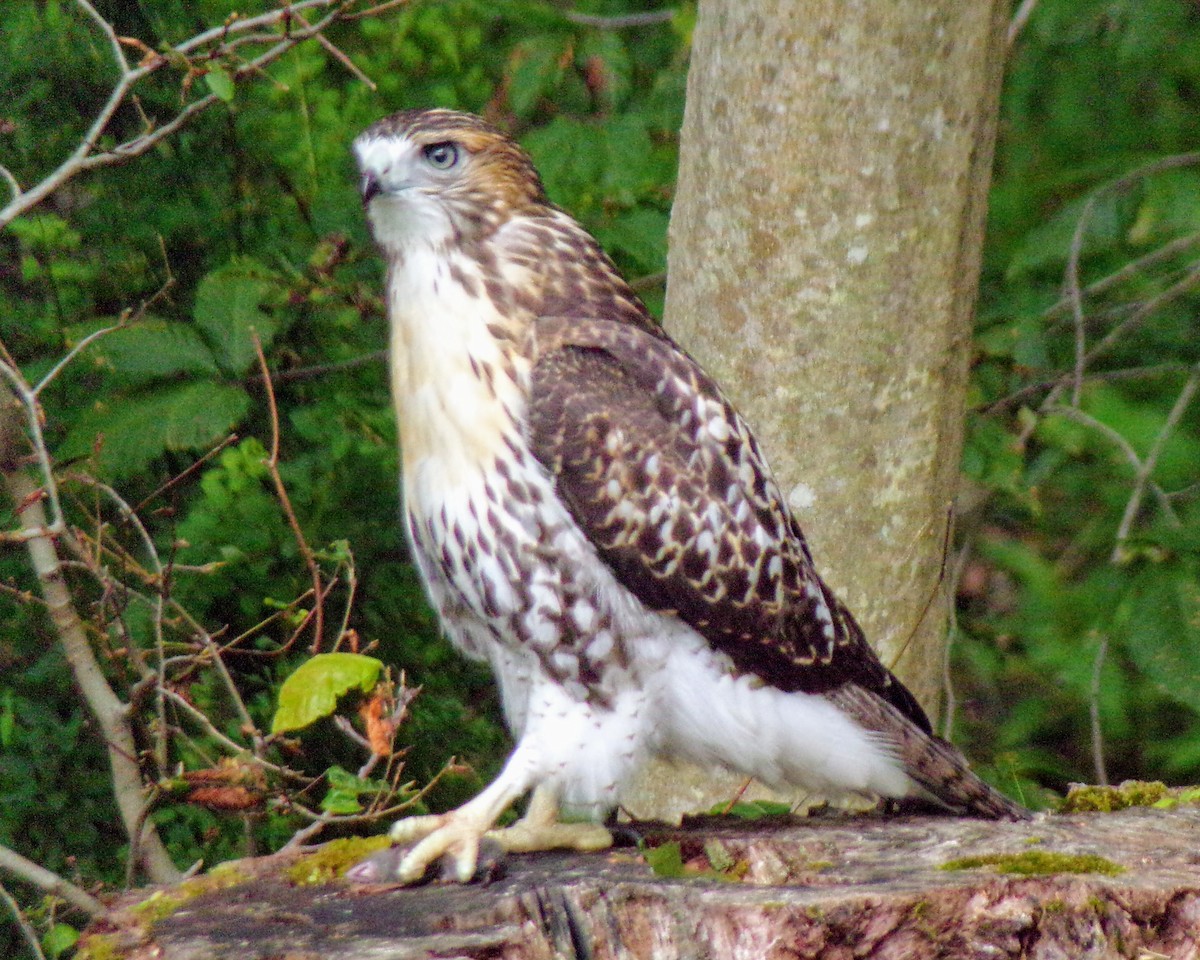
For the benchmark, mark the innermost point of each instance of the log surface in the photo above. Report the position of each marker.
(835, 888)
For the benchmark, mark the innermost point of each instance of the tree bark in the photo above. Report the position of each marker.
(824, 257)
(835, 889)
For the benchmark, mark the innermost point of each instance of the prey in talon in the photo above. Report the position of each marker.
(592, 517)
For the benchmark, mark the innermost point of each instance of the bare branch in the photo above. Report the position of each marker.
(1020, 18)
(51, 882)
(624, 22)
(285, 502)
(1147, 466)
(108, 31)
(85, 157)
(27, 931)
(1168, 250)
(13, 185)
(1098, 765)
(1119, 441)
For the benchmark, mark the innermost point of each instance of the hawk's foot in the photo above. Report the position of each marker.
(454, 838)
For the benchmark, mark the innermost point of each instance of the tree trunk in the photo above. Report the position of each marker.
(824, 257)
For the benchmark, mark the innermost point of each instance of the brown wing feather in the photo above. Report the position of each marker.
(670, 486)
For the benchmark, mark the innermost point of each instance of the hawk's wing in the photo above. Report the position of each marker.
(669, 485)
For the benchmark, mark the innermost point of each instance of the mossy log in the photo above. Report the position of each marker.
(1089, 885)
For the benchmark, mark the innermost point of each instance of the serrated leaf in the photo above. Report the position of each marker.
(145, 351)
(230, 310)
(134, 429)
(220, 82)
(314, 688)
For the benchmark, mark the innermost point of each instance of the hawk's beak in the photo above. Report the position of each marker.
(369, 187)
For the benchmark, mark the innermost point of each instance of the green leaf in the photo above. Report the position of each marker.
(146, 351)
(230, 311)
(220, 82)
(313, 690)
(666, 860)
(59, 939)
(345, 789)
(752, 810)
(535, 70)
(131, 430)
(1161, 620)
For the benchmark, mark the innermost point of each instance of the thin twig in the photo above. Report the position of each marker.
(1129, 270)
(622, 22)
(14, 185)
(320, 369)
(184, 474)
(1118, 440)
(72, 354)
(1020, 18)
(1103, 376)
(1148, 464)
(85, 157)
(51, 882)
(310, 560)
(1098, 765)
(26, 928)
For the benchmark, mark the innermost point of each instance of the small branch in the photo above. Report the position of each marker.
(285, 502)
(1103, 376)
(1020, 18)
(72, 354)
(1098, 764)
(1146, 469)
(14, 185)
(85, 157)
(623, 22)
(51, 882)
(320, 369)
(1130, 270)
(107, 709)
(1074, 413)
(27, 931)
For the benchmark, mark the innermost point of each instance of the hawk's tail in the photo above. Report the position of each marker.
(935, 765)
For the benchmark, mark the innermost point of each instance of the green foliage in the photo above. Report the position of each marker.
(1080, 595)
(246, 224)
(345, 789)
(312, 691)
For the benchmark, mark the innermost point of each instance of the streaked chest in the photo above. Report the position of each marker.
(458, 383)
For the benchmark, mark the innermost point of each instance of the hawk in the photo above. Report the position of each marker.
(592, 517)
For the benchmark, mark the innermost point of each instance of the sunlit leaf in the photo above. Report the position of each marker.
(314, 688)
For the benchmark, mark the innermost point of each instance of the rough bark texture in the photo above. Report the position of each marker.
(824, 257)
(834, 889)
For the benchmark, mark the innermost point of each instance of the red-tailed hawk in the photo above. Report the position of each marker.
(593, 518)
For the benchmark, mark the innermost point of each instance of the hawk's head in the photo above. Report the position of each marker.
(437, 175)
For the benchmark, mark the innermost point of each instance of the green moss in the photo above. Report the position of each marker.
(163, 903)
(97, 947)
(333, 859)
(1038, 862)
(1131, 793)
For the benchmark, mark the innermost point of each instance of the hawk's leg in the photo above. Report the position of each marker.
(457, 834)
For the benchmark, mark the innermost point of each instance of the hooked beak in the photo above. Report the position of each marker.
(369, 187)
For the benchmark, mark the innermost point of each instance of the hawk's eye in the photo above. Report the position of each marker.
(442, 156)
